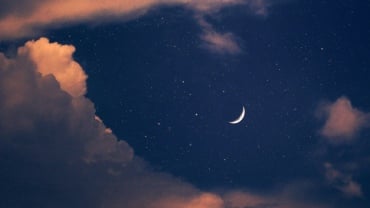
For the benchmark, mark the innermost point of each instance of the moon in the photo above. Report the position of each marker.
(240, 118)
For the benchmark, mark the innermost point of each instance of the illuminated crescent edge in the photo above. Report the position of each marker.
(238, 120)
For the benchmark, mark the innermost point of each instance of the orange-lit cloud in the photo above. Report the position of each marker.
(284, 199)
(52, 13)
(60, 64)
(203, 200)
(343, 121)
(43, 87)
(25, 19)
(244, 199)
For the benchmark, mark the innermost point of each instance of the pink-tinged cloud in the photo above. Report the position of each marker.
(342, 120)
(245, 199)
(343, 182)
(285, 199)
(217, 42)
(21, 19)
(61, 65)
(43, 87)
(221, 43)
(204, 200)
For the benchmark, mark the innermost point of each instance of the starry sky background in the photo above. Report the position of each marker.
(161, 86)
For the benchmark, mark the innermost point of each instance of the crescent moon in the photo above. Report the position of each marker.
(240, 118)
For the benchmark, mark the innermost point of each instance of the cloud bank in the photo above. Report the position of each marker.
(55, 152)
(342, 120)
(29, 18)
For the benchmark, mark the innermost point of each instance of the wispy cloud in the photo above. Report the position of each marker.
(30, 18)
(342, 120)
(343, 182)
(222, 43)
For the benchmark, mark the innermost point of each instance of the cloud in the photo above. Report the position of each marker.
(30, 18)
(41, 91)
(222, 43)
(55, 152)
(205, 200)
(21, 20)
(61, 65)
(343, 182)
(244, 199)
(342, 120)
(288, 199)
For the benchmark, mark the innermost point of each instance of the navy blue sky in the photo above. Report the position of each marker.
(157, 86)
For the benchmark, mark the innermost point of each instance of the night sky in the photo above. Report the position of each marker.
(113, 104)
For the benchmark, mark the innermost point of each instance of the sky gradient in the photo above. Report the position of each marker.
(127, 104)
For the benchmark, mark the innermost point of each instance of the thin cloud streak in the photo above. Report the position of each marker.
(343, 182)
